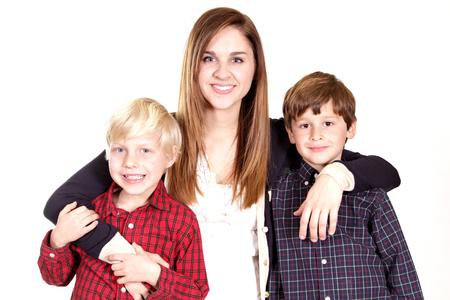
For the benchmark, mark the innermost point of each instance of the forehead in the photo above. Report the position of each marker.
(151, 139)
(229, 39)
(326, 110)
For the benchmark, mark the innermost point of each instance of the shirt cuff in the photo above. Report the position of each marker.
(54, 255)
(339, 172)
(164, 285)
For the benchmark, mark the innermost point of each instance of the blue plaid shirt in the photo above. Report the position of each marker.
(367, 257)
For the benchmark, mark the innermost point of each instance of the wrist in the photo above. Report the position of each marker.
(154, 275)
(56, 241)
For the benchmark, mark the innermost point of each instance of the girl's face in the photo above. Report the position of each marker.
(227, 69)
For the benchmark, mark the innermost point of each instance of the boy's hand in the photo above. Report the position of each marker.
(323, 201)
(72, 224)
(137, 290)
(140, 267)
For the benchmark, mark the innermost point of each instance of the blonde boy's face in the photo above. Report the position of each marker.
(137, 164)
(320, 138)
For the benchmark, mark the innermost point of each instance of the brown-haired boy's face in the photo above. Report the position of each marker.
(320, 138)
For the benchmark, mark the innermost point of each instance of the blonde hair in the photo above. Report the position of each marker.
(250, 164)
(143, 117)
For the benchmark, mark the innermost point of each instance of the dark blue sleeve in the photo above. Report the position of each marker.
(369, 171)
(89, 182)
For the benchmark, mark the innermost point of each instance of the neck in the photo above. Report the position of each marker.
(130, 202)
(221, 123)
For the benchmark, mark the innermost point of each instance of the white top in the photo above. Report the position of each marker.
(229, 239)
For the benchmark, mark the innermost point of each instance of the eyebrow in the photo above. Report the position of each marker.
(231, 54)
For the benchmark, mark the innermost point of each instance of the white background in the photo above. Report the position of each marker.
(64, 67)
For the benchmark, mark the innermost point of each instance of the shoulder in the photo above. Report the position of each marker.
(181, 217)
(369, 200)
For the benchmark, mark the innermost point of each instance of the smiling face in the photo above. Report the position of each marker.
(136, 165)
(320, 138)
(227, 69)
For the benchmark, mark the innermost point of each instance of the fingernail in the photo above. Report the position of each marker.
(302, 237)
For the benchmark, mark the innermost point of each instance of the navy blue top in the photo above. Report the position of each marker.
(94, 179)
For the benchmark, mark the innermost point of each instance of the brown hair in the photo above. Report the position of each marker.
(248, 177)
(315, 90)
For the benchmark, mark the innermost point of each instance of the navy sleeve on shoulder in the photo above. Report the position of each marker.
(89, 182)
(369, 171)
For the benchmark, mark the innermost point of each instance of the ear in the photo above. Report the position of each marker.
(351, 131)
(173, 157)
(291, 135)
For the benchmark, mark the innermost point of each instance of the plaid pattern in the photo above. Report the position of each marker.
(163, 226)
(367, 257)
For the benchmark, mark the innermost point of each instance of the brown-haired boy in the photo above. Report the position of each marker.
(367, 257)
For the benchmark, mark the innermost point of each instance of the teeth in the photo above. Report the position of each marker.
(134, 177)
(223, 87)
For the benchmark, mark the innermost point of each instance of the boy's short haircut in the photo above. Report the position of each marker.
(143, 117)
(315, 90)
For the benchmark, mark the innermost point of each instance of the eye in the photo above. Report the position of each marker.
(237, 60)
(303, 126)
(328, 123)
(146, 150)
(117, 150)
(207, 58)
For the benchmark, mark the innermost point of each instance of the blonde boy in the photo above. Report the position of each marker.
(143, 141)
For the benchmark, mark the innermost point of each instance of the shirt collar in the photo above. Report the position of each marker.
(156, 200)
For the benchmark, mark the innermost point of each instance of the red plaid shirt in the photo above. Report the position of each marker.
(163, 226)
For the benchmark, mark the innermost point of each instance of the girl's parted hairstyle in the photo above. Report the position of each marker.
(248, 177)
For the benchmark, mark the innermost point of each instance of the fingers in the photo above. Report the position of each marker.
(69, 207)
(313, 224)
(159, 260)
(117, 257)
(90, 217)
(323, 220)
(299, 211)
(333, 221)
(138, 248)
(88, 228)
(304, 220)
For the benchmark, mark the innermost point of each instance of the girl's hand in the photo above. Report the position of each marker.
(137, 290)
(72, 224)
(140, 267)
(322, 202)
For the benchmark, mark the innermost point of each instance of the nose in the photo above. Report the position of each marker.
(130, 161)
(316, 133)
(221, 72)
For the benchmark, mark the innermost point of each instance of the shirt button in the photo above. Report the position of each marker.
(324, 261)
(131, 225)
(306, 182)
(266, 294)
(123, 289)
(265, 229)
(327, 298)
(52, 255)
(266, 262)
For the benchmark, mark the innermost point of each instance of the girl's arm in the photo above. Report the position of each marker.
(89, 182)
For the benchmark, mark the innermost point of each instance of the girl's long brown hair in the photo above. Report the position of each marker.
(248, 177)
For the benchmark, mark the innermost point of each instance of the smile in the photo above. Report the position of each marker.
(133, 178)
(318, 149)
(222, 89)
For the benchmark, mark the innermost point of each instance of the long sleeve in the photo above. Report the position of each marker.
(89, 182)
(401, 276)
(57, 266)
(370, 171)
(187, 280)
